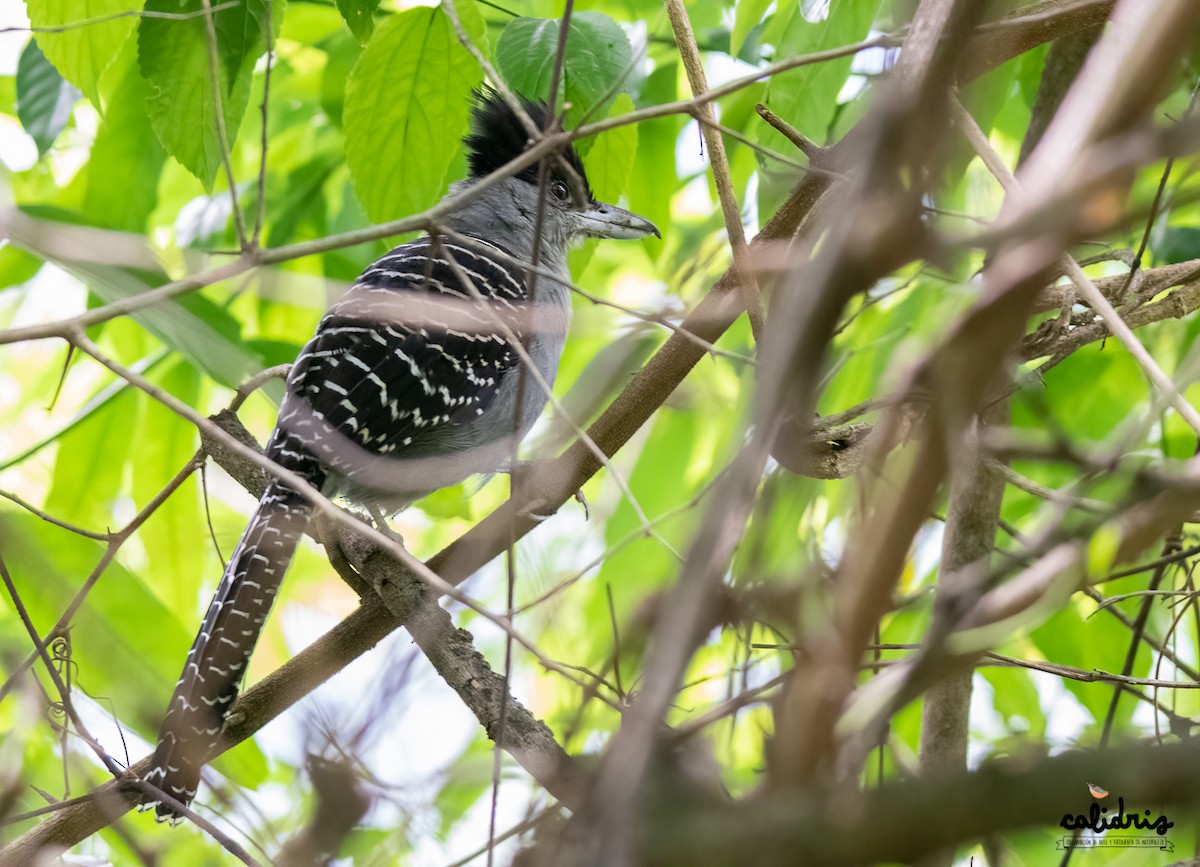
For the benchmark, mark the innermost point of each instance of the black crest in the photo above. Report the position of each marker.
(497, 137)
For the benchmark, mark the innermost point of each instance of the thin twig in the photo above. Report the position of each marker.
(115, 541)
(681, 26)
(807, 146)
(214, 75)
(50, 519)
(260, 205)
(128, 13)
(1087, 289)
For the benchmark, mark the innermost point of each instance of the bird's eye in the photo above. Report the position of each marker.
(559, 190)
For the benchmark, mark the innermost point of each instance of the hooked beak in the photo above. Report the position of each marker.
(609, 221)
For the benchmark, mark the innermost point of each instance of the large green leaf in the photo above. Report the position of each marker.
(16, 265)
(360, 16)
(652, 188)
(126, 645)
(174, 537)
(89, 468)
(82, 54)
(341, 52)
(122, 180)
(609, 163)
(474, 24)
(405, 111)
(806, 97)
(190, 323)
(749, 15)
(598, 57)
(174, 59)
(44, 98)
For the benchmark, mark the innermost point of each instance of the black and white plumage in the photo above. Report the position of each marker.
(410, 384)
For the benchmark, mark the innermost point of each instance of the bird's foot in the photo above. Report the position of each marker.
(379, 521)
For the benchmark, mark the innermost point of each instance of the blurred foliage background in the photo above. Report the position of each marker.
(108, 120)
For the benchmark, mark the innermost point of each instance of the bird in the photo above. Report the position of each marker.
(411, 383)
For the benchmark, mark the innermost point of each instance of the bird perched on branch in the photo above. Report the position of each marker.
(412, 382)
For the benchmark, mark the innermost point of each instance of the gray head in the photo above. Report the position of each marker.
(507, 211)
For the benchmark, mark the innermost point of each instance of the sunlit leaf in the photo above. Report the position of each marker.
(597, 60)
(807, 97)
(16, 265)
(406, 109)
(122, 184)
(124, 641)
(474, 24)
(90, 465)
(175, 539)
(174, 59)
(84, 37)
(749, 15)
(360, 16)
(44, 98)
(609, 164)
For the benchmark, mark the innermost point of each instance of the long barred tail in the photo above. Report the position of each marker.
(217, 661)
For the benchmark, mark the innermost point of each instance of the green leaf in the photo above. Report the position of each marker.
(1102, 549)
(341, 52)
(174, 537)
(1098, 643)
(90, 464)
(609, 163)
(128, 647)
(304, 196)
(749, 15)
(174, 59)
(44, 98)
(474, 23)
(82, 54)
(598, 57)
(654, 177)
(1177, 244)
(360, 16)
(806, 97)
(8, 94)
(122, 184)
(406, 109)
(16, 265)
(190, 323)
(451, 502)
(1014, 695)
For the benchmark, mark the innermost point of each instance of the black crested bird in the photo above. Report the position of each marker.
(410, 384)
